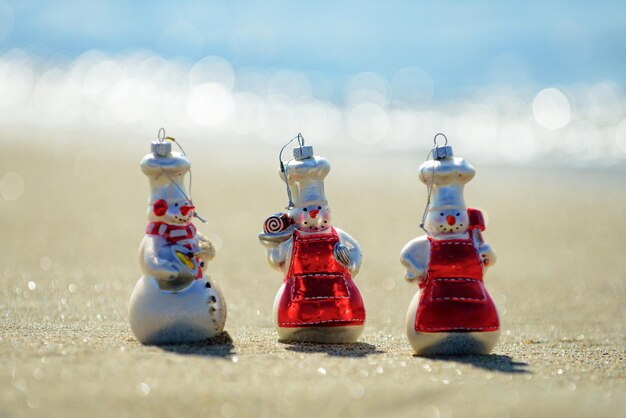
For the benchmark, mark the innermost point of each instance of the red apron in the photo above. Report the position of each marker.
(318, 290)
(454, 297)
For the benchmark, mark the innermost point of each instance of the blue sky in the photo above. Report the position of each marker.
(462, 45)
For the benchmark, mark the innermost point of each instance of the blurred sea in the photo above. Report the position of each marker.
(128, 96)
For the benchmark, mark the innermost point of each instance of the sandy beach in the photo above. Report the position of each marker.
(69, 263)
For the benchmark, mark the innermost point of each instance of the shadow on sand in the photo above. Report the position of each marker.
(335, 350)
(218, 346)
(492, 362)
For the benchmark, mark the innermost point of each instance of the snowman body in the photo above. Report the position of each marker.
(174, 301)
(318, 300)
(452, 313)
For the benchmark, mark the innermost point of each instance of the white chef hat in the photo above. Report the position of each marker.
(166, 172)
(305, 177)
(448, 177)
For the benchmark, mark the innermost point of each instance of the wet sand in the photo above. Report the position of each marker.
(68, 265)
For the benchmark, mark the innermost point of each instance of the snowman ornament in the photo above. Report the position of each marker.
(318, 300)
(174, 301)
(452, 314)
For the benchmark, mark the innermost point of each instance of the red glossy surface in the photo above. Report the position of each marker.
(159, 207)
(476, 219)
(184, 210)
(318, 290)
(454, 297)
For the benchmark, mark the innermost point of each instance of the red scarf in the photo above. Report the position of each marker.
(174, 234)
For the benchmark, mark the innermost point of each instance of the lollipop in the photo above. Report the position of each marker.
(277, 223)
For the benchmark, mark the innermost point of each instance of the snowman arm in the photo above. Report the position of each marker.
(415, 257)
(207, 250)
(356, 256)
(152, 264)
(487, 255)
(277, 255)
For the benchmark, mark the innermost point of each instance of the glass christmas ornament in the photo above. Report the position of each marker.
(318, 300)
(174, 301)
(452, 313)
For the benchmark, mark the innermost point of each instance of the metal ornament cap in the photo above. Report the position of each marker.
(161, 148)
(440, 153)
(303, 152)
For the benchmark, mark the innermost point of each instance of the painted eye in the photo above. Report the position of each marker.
(441, 214)
(159, 207)
(305, 209)
(458, 214)
(319, 208)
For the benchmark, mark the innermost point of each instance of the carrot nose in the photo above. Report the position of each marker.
(185, 209)
(314, 213)
(450, 219)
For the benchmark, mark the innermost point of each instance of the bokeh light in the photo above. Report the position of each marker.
(620, 136)
(412, 87)
(368, 123)
(368, 87)
(11, 186)
(551, 109)
(212, 70)
(136, 92)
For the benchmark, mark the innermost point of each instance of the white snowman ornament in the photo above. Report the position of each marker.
(318, 300)
(174, 301)
(453, 314)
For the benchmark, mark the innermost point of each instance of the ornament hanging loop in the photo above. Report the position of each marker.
(441, 151)
(444, 137)
(160, 147)
(161, 135)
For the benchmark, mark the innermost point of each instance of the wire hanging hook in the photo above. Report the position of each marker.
(283, 166)
(429, 185)
(162, 138)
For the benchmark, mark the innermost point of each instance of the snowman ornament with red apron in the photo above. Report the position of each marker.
(318, 300)
(174, 301)
(452, 314)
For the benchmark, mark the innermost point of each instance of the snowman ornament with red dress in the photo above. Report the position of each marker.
(453, 314)
(318, 300)
(174, 301)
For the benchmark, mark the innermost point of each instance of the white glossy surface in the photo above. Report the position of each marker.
(157, 316)
(170, 303)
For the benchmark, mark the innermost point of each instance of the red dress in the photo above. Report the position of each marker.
(454, 297)
(319, 291)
